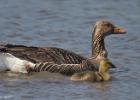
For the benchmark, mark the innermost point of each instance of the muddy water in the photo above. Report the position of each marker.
(68, 24)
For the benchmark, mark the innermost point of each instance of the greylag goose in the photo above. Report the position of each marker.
(60, 56)
(95, 76)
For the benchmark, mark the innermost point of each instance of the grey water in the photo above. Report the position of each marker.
(68, 24)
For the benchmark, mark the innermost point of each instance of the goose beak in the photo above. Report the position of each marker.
(118, 30)
(112, 65)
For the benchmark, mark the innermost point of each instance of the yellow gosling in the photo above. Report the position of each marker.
(95, 76)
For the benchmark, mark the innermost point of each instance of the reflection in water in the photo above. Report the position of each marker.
(102, 86)
(67, 24)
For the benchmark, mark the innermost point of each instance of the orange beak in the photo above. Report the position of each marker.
(118, 30)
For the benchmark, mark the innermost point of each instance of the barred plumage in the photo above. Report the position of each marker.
(66, 69)
(36, 55)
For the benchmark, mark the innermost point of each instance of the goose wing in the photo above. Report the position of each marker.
(42, 54)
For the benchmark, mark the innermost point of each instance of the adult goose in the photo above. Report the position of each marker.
(60, 56)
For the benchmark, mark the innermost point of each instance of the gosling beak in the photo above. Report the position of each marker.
(112, 65)
(118, 30)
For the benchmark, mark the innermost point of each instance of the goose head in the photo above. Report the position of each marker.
(102, 29)
(105, 28)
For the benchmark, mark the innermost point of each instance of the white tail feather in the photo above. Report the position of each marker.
(13, 63)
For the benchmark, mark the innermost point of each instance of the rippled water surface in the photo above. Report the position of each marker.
(68, 24)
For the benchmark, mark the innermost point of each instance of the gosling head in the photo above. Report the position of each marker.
(105, 65)
(105, 28)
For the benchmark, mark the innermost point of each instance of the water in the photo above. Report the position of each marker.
(68, 24)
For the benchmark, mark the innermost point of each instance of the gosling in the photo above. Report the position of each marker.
(95, 76)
